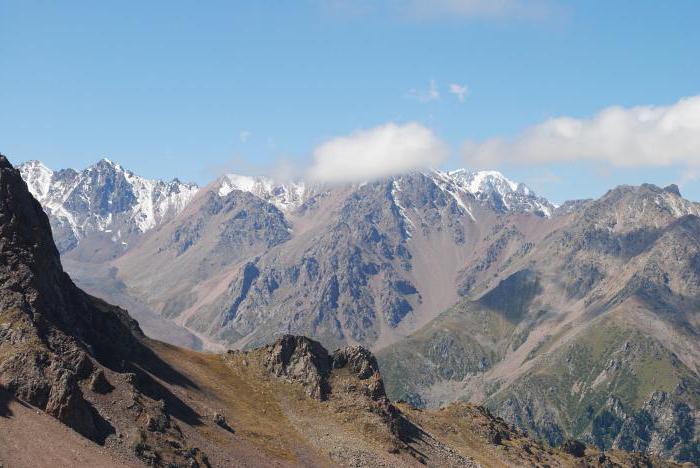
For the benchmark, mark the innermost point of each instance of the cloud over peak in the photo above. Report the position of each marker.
(377, 152)
(624, 137)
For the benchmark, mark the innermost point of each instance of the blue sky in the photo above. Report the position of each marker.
(191, 89)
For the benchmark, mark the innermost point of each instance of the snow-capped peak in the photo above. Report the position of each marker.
(501, 192)
(38, 178)
(103, 197)
(485, 181)
(284, 195)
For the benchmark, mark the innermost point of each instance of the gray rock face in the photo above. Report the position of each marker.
(346, 278)
(665, 425)
(303, 360)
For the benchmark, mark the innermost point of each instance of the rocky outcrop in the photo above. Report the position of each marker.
(302, 360)
(305, 361)
(349, 377)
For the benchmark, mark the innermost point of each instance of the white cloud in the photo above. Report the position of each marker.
(436, 9)
(623, 137)
(378, 152)
(428, 95)
(460, 91)
(423, 10)
(245, 136)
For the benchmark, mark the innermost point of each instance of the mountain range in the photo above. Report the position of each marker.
(212, 258)
(81, 385)
(571, 321)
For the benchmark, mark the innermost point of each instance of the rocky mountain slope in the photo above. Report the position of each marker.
(591, 331)
(133, 401)
(80, 360)
(365, 263)
(362, 263)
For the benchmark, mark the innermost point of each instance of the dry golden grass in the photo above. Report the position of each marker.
(239, 392)
(287, 427)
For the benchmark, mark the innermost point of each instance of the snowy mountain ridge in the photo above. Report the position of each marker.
(286, 196)
(488, 186)
(104, 197)
(505, 194)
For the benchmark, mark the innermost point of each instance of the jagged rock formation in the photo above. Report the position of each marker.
(305, 361)
(302, 360)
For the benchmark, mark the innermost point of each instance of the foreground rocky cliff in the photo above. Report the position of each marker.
(71, 355)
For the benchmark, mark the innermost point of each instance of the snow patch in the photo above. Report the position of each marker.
(395, 190)
(286, 196)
